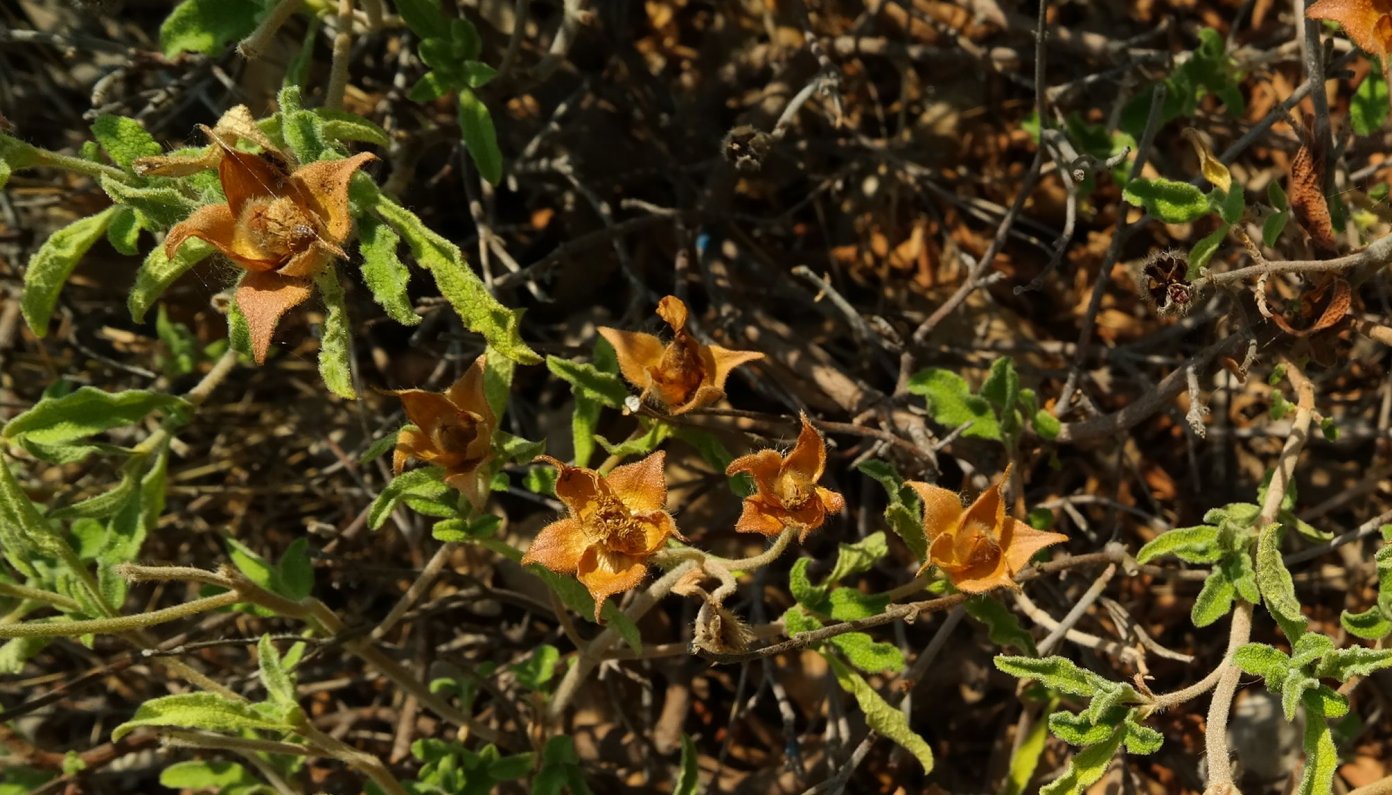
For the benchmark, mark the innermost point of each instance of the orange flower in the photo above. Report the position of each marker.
(1367, 22)
(787, 494)
(682, 375)
(979, 548)
(616, 523)
(453, 430)
(281, 225)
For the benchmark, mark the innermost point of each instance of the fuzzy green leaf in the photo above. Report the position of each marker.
(1047, 425)
(688, 774)
(124, 139)
(280, 686)
(1204, 250)
(341, 125)
(1321, 758)
(458, 283)
(880, 715)
(423, 17)
(1169, 201)
(1086, 766)
(1215, 599)
(53, 263)
(848, 604)
(207, 711)
(1025, 761)
(596, 384)
(123, 233)
(867, 654)
(160, 206)
(207, 26)
(1371, 624)
(425, 484)
(1265, 661)
(1277, 587)
(952, 404)
(385, 275)
(1344, 664)
(540, 666)
(1002, 626)
(480, 138)
(1197, 544)
(1273, 226)
(159, 271)
(335, 347)
(1055, 673)
(295, 570)
(858, 558)
(61, 421)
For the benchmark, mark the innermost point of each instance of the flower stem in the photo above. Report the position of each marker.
(58, 629)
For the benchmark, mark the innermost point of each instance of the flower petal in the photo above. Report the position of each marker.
(642, 485)
(702, 397)
(322, 188)
(983, 578)
(263, 297)
(1358, 18)
(427, 410)
(579, 488)
(1022, 542)
(759, 517)
(306, 264)
(832, 501)
(987, 513)
(941, 508)
(558, 546)
(468, 481)
(720, 361)
(467, 394)
(673, 311)
(763, 465)
(637, 353)
(216, 224)
(807, 460)
(411, 443)
(244, 175)
(606, 573)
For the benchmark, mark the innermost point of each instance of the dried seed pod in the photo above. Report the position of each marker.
(1164, 276)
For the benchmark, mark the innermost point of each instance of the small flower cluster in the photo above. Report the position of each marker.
(616, 522)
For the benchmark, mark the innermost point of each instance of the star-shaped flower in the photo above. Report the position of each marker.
(452, 430)
(682, 374)
(281, 224)
(786, 491)
(616, 523)
(979, 548)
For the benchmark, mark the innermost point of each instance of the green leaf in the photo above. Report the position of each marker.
(1047, 425)
(540, 666)
(880, 715)
(1204, 250)
(1344, 664)
(459, 284)
(465, 39)
(1169, 201)
(1025, 760)
(1277, 587)
(953, 405)
(867, 654)
(476, 126)
(123, 233)
(1230, 205)
(160, 206)
(341, 125)
(688, 774)
(335, 348)
(1321, 758)
(207, 26)
(1310, 647)
(6, 171)
(295, 571)
(423, 17)
(430, 87)
(858, 558)
(159, 271)
(1368, 107)
(1086, 766)
(251, 564)
(594, 383)
(385, 275)
(53, 263)
(848, 604)
(1083, 730)
(60, 422)
(1215, 599)
(1277, 196)
(1197, 544)
(578, 599)
(1371, 624)
(478, 75)
(1265, 661)
(1002, 386)
(1273, 226)
(207, 711)
(279, 684)
(211, 774)
(124, 139)
(1002, 626)
(560, 769)
(1141, 740)
(1055, 673)
(424, 485)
